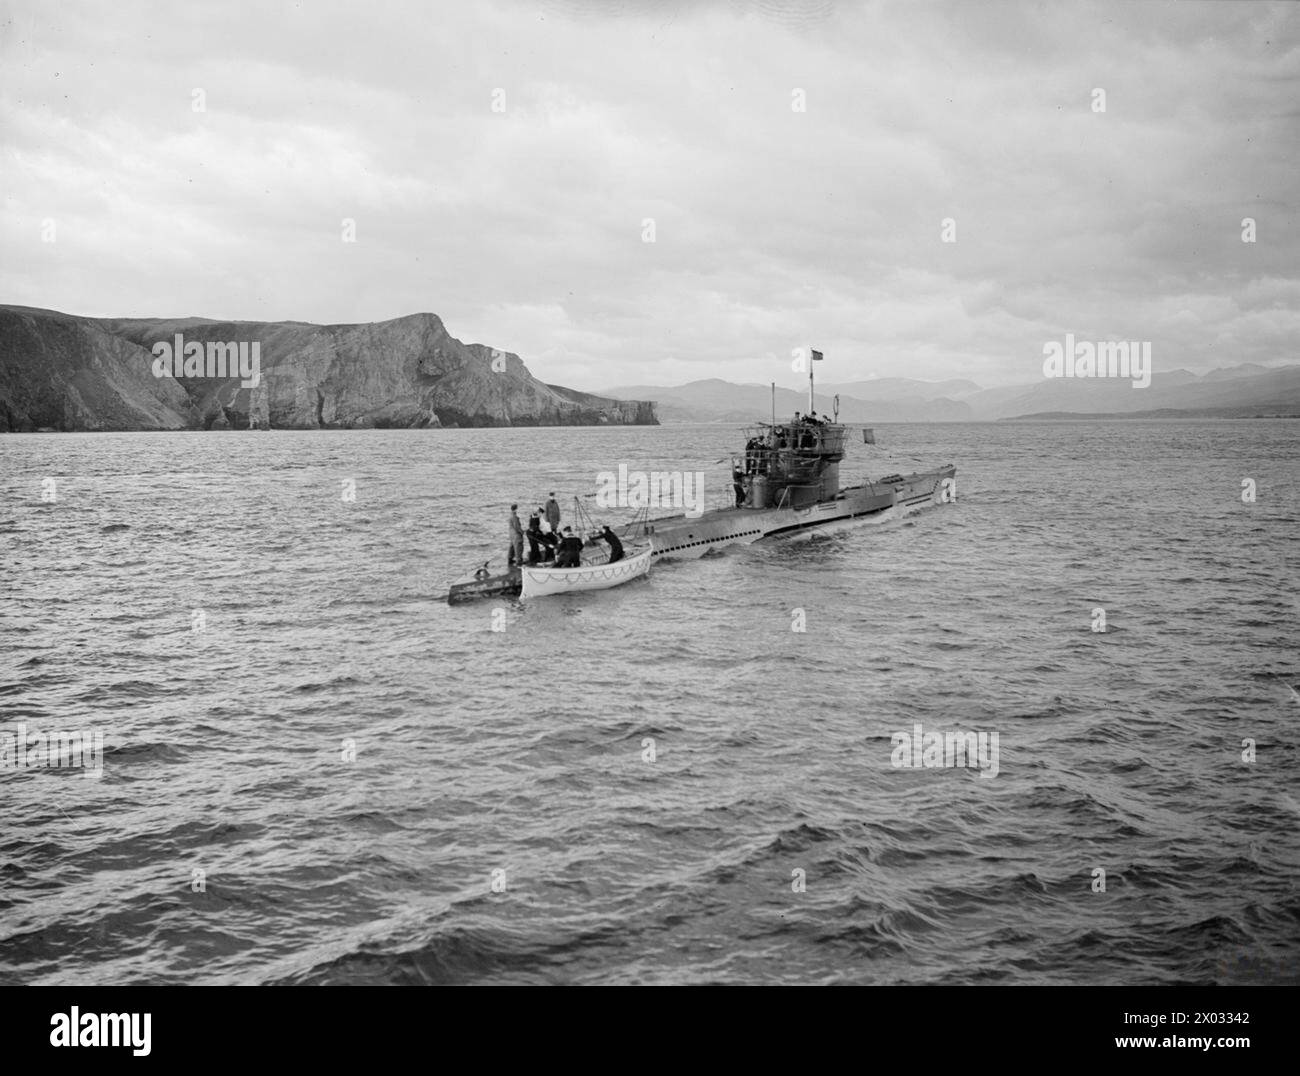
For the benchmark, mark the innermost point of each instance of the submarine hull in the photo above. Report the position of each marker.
(685, 537)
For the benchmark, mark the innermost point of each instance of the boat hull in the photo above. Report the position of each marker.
(501, 583)
(687, 538)
(539, 581)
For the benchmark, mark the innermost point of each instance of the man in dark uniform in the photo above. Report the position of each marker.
(615, 546)
(570, 554)
(534, 536)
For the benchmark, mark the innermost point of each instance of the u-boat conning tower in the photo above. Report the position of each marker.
(790, 466)
(793, 465)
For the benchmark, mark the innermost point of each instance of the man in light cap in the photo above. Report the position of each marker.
(545, 535)
(553, 513)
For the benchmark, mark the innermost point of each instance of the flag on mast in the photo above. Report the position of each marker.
(816, 356)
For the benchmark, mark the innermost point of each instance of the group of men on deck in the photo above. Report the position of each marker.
(799, 433)
(547, 544)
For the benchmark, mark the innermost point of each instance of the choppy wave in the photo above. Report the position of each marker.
(315, 771)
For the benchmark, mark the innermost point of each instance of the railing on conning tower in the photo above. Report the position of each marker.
(790, 449)
(790, 464)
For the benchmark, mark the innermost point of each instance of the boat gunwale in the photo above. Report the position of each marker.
(561, 573)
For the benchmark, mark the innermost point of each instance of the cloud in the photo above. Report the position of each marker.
(774, 228)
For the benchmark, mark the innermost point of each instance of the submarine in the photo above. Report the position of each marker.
(787, 480)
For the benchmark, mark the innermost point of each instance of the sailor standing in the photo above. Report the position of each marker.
(553, 513)
(516, 554)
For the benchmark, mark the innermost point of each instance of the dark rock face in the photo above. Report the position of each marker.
(64, 373)
(71, 373)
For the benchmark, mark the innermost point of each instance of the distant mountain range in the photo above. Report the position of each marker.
(63, 372)
(1238, 391)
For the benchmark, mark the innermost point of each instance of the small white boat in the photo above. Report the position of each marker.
(596, 574)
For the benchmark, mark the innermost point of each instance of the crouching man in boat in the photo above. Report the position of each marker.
(570, 553)
(615, 546)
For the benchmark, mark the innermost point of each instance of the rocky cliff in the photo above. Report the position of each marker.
(62, 372)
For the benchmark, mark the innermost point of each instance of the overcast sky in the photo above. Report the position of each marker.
(773, 227)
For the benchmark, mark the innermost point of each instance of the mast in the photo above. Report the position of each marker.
(815, 358)
(773, 403)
